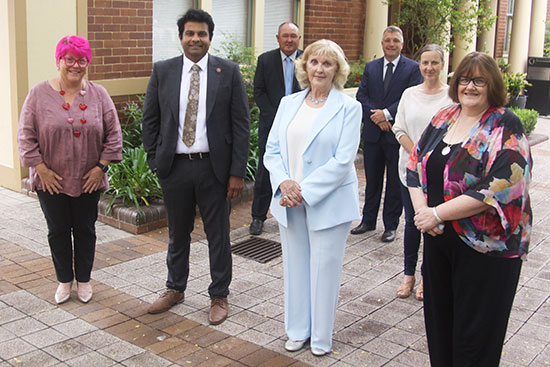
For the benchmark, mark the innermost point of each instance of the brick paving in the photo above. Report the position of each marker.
(373, 327)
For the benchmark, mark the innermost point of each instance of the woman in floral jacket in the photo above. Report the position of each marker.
(468, 177)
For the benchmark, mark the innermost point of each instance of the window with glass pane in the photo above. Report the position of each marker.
(166, 43)
(508, 30)
(231, 20)
(276, 13)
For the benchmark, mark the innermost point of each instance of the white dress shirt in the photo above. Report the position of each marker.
(387, 113)
(201, 141)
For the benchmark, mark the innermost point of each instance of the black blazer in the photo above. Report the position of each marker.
(269, 86)
(372, 97)
(227, 118)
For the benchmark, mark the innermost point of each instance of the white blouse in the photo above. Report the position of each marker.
(414, 113)
(296, 136)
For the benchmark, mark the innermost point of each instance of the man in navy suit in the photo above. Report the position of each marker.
(382, 85)
(272, 81)
(196, 132)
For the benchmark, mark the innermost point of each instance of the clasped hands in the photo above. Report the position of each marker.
(291, 194)
(426, 222)
(379, 118)
(51, 181)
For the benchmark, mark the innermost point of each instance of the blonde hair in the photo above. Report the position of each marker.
(327, 48)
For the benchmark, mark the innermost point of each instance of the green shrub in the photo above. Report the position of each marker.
(356, 72)
(131, 128)
(132, 180)
(527, 117)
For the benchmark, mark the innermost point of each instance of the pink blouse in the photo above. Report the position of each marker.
(70, 149)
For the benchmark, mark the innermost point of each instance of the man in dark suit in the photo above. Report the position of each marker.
(196, 134)
(382, 85)
(273, 80)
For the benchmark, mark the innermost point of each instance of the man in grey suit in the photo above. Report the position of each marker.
(273, 80)
(196, 132)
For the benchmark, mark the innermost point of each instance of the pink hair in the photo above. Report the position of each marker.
(75, 45)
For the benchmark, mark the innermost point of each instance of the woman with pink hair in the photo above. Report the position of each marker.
(68, 134)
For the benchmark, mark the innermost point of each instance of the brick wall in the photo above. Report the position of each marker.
(500, 27)
(341, 21)
(121, 37)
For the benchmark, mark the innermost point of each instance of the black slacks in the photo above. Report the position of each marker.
(380, 158)
(191, 183)
(66, 216)
(468, 297)
(262, 183)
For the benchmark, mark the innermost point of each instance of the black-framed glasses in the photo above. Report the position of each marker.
(478, 82)
(82, 62)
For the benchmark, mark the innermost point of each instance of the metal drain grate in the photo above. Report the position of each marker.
(257, 249)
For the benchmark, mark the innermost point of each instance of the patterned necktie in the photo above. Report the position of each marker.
(192, 110)
(289, 74)
(387, 79)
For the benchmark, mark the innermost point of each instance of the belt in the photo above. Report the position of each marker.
(193, 156)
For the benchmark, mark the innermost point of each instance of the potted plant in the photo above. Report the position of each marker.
(515, 84)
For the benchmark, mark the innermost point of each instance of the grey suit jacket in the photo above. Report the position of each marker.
(227, 117)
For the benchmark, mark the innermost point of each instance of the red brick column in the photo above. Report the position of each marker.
(341, 21)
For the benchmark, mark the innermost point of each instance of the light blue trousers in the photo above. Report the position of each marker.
(312, 262)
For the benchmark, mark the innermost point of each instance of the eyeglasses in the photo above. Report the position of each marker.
(69, 61)
(478, 82)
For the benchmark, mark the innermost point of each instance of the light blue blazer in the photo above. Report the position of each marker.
(329, 186)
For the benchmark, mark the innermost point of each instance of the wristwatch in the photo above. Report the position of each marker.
(103, 167)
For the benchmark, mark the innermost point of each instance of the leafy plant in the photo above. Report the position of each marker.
(132, 180)
(235, 51)
(430, 21)
(356, 72)
(515, 83)
(131, 128)
(528, 118)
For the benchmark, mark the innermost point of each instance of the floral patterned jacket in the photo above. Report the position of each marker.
(492, 165)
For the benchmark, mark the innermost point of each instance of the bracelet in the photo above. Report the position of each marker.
(436, 216)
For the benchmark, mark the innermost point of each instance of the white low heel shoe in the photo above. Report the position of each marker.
(63, 292)
(85, 292)
(294, 345)
(318, 352)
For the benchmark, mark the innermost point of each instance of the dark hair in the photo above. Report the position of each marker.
(196, 15)
(487, 67)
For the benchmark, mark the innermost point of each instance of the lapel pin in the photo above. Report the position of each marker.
(218, 70)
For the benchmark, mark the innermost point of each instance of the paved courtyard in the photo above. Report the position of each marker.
(373, 327)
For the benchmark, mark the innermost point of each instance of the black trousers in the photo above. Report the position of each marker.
(262, 188)
(468, 297)
(191, 183)
(380, 158)
(66, 216)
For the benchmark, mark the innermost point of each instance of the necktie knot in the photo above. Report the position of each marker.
(195, 68)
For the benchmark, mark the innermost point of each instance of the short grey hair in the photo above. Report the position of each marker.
(393, 29)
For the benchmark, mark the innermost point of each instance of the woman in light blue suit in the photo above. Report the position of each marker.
(310, 156)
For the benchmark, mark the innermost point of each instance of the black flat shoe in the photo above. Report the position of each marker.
(388, 235)
(362, 228)
(256, 226)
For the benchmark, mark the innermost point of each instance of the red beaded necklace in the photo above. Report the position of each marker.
(67, 106)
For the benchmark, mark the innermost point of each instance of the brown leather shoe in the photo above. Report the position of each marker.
(218, 310)
(166, 300)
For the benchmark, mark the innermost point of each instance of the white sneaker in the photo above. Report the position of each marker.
(294, 345)
(318, 352)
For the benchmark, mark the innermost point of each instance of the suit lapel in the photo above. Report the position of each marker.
(175, 85)
(214, 76)
(279, 73)
(332, 106)
(286, 119)
(397, 71)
